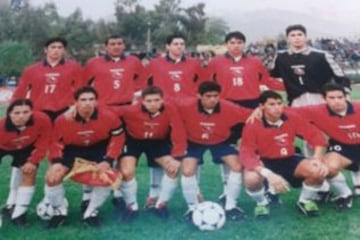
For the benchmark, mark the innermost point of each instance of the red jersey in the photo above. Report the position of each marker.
(343, 129)
(114, 81)
(50, 88)
(103, 125)
(240, 80)
(176, 79)
(263, 141)
(140, 124)
(37, 133)
(211, 128)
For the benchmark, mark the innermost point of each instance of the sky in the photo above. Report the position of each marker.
(334, 11)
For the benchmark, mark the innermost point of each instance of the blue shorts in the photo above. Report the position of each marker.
(19, 156)
(95, 153)
(286, 168)
(352, 152)
(152, 148)
(217, 151)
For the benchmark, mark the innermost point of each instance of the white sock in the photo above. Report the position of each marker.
(355, 176)
(224, 171)
(308, 192)
(129, 191)
(258, 196)
(325, 186)
(56, 195)
(86, 192)
(156, 176)
(168, 187)
(117, 193)
(15, 180)
(98, 197)
(190, 190)
(23, 199)
(339, 183)
(233, 189)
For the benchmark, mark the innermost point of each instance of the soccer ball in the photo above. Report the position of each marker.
(45, 211)
(209, 216)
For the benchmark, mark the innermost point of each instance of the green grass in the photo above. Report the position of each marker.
(285, 222)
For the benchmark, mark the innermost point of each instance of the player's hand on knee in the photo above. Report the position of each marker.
(28, 168)
(279, 184)
(172, 166)
(103, 166)
(319, 168)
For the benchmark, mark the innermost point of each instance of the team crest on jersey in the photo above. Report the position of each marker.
(237, 71)
(298, 69)
(282, 139)
(85, 136)
(117, 73)
(52, 78)
(175, 75)
(19, 142)
(151, 125)
(207, 129)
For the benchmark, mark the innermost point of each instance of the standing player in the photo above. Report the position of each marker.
(240, 77)
(50, 85)
(116, 78)
(154, 128)
(84, 136)
(267, 152)
(25, 135)
(177, 75)
(304, 71)
(208, 121)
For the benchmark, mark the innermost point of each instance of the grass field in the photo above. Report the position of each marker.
(285, 221)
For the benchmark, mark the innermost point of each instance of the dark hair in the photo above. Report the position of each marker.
(152, 90)
(209, 86)
(85, 89)
(171, 38)
(294, 27)
(237, 35)
(56, 39)
(329, 87)
(19, 102)
(267, 95)
(115, 36)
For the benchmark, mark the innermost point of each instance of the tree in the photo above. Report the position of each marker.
(10, 65)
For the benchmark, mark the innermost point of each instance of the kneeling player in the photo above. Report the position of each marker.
(208, 122)
(148, 126)
(25, 135)
(267, 153)
(94, 134)
(339, 119)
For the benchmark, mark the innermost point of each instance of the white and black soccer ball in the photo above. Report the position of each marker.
(209, 216)
(45, 211)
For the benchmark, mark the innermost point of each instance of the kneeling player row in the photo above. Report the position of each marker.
(174, 136)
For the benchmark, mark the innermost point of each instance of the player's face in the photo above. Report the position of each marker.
(115, 47)
(336, 101)
(55, 51)
(272, 109)
(20, 115)
(209, 100)
(86, 104)
(297, 39)
(235, 47)
(153, 102)
(177, 47)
